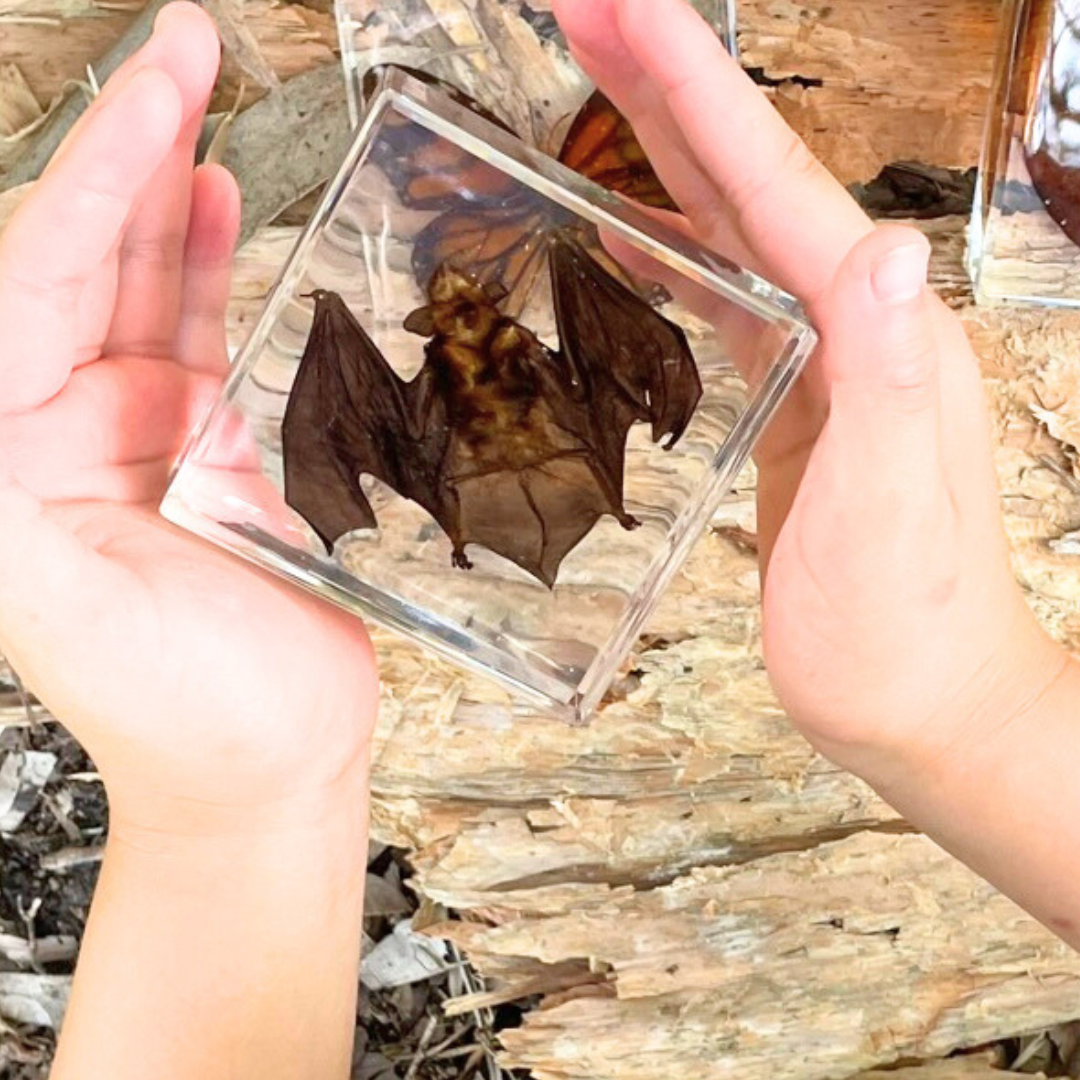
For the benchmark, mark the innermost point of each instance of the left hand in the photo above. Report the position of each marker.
(194, 681)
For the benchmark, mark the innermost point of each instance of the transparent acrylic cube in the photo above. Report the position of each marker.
(556, 643)
(507, 54)
(1018, 251)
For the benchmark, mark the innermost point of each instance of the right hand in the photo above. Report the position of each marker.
(894, 631)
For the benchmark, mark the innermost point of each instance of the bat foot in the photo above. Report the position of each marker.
(628, 521)
(461, 560)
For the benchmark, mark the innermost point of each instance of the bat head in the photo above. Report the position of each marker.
(461, 311)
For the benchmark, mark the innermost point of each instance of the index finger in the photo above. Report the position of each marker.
(665, 67)
(68, 226)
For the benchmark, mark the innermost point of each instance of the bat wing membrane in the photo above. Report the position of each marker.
(348, 414)
(630, 363)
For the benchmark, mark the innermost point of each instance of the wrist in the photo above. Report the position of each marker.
(142, 816)
(1003, 706)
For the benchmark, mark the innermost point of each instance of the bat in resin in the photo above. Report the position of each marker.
(506, 443)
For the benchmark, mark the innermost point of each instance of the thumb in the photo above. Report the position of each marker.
(880, 354)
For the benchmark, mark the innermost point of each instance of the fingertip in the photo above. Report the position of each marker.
(215, 216)
(191, 16)
(186, 45)
(643, 23)
(588, 27)
(592, 31)
(156, 104)
(878, 323)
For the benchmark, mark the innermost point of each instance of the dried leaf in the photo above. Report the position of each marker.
(40, 1000)
(238, 40)
(18, 106)
(374, 1067)
(215, 152)
(403, 957)
(22, 776)
(382, 897)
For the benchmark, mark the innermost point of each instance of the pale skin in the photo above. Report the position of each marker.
(231, 715)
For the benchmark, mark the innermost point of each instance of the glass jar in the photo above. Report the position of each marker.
(1025, 229)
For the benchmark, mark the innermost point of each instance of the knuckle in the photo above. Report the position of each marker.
(794, 165)
(911, 375)
(163, 251)
(795, 158)
(88, 201)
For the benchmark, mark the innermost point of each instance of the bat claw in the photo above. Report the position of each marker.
(628, 521)
(461, 560)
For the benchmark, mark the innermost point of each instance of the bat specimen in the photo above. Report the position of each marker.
(505, 442)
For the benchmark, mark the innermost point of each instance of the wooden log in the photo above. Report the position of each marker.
(866, 83)
(796, 966)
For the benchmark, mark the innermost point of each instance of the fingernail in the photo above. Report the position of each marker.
(900, 276)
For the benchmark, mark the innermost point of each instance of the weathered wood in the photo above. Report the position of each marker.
(796, 966)
(965, 1067)
(888, 81)
(691, 761)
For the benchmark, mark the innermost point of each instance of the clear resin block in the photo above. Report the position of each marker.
(507, 398)
(507, 54)
(1025, 229)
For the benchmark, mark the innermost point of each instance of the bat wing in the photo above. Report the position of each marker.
(628, 362)
(349, 414)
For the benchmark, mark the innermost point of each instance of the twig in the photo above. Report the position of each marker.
(425, 1041)
(67, 857)
(474, 1062)
(29, 916)
(71, 830)
(220, 141)
(30, 164)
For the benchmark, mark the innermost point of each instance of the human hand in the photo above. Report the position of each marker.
(894, 631)
(196, 683)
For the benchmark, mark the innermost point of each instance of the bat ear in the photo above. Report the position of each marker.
(496, 291)
(422, 321)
